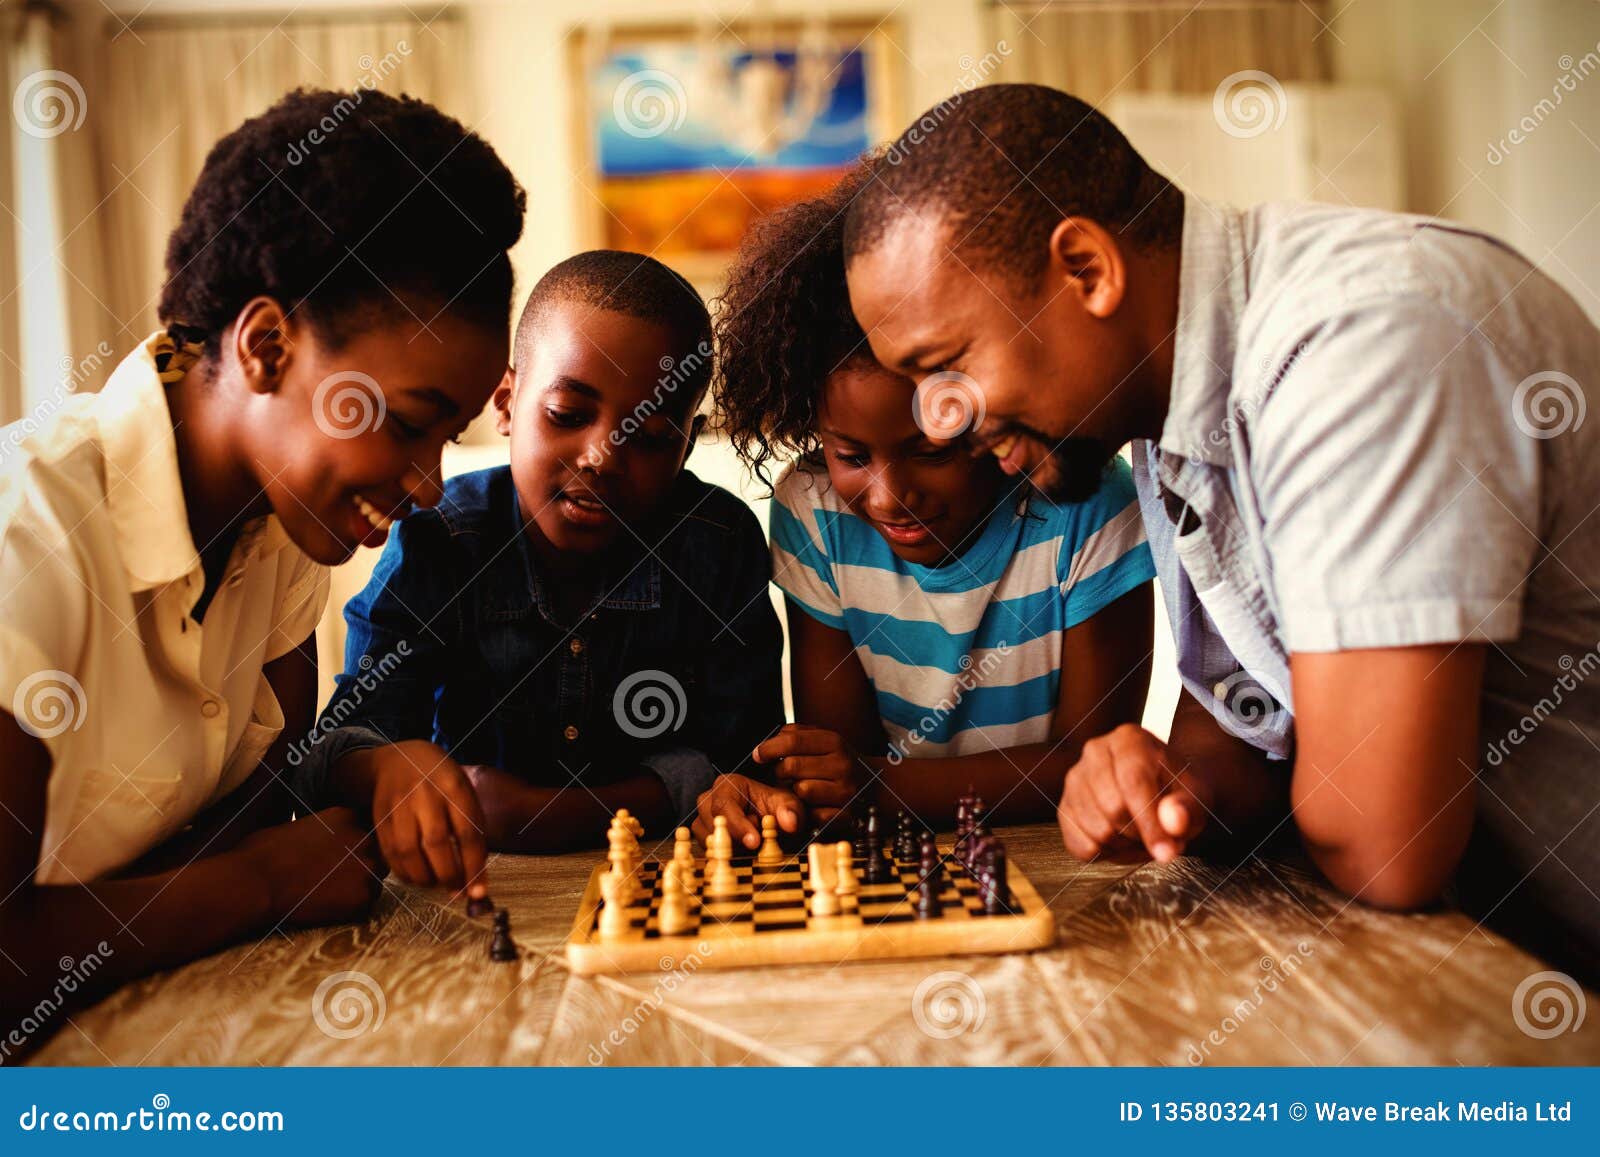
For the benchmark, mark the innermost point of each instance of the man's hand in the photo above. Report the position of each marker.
(430, 825)
(320, 869)
(738, 798)
(1124, 799)
(825, 770)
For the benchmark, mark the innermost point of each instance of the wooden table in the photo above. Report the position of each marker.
(1176, 965)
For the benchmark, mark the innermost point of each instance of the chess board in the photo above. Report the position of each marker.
(767, 920)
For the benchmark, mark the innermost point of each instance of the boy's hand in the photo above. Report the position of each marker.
(824, 768)
(1125, 799)
(430, 825)
(738, 797)
(320, 869)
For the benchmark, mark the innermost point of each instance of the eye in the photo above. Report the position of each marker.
(657, 440)
(853, 460)
(568, 419)
(934, 455)
(404, 429)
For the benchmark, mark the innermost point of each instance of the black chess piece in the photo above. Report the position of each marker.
(501, 946)
(992, 881)
(877, 868)
(930, 878)
(905, 839)
(976, 829)
(479, 906)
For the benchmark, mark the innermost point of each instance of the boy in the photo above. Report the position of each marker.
(585, 629)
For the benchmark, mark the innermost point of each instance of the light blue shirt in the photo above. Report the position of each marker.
(1377, 437)
(966, 656)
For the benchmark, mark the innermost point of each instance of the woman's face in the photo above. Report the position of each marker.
(926, 497)
(351, 438)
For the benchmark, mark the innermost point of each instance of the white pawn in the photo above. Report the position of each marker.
(683, 856)
(823, 900)
(844, 873)
(617, 892)
(672, 917)
(770, 853)
(720, 878)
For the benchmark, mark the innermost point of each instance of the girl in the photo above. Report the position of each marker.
(328, 323)
(948, 628)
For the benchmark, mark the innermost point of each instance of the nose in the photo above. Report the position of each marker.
(891, 497)
(601, 452)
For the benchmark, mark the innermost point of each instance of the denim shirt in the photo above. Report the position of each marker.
(674, 667)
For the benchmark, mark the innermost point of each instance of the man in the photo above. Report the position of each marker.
(1359, 446)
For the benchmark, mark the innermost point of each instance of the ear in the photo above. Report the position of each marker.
(501, 399)
(1085, 256)
(263, 344)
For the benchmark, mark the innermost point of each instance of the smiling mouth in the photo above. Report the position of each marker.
(375, 517)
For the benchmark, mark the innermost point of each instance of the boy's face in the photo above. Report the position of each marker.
(598, 425)
(924, 496)
(347, 439)
(1048, 373)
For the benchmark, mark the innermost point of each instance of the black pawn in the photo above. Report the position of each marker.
(501, 947)
(905, 840)
(479, 906)
(930, 878)
(992, 879)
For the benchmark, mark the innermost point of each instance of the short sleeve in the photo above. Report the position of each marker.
(302, 596)
(1398, 497)
(44, 611)
(801, 566)
(1104, 554)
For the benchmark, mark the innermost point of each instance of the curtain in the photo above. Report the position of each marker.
(54, 323)
(173, 85)
(1094, 49)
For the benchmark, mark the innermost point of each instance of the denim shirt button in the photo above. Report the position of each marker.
(1220, 690)
(571, 732)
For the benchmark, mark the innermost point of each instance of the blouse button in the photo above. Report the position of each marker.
(577, 646)
(210, 709)
(571, 732)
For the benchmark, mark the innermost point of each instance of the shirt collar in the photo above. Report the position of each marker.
(144, 492)
(637, 590)
(1212, 289)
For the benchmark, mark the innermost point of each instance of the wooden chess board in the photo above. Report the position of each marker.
(767, 921)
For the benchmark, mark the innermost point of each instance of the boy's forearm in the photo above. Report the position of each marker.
(1018, 784)
(522, 817)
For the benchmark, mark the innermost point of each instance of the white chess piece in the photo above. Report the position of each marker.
(844, 873)
(823, 900)
(683, 856)
(672, 917)
(770, 854)
(720, 878)
(617, 892)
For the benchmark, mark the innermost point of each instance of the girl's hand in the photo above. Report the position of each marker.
(825, 770)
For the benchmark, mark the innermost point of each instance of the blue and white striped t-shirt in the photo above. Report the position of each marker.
(967, 656)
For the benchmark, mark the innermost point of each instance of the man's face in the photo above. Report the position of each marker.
(1045, 371)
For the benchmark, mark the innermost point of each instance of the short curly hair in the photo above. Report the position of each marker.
(783, 325)
(1001, 165)
(344, 204)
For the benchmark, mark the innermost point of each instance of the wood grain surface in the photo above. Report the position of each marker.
(1188, 963)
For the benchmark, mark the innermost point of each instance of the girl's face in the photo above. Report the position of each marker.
(926, 497)
(349, 439)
